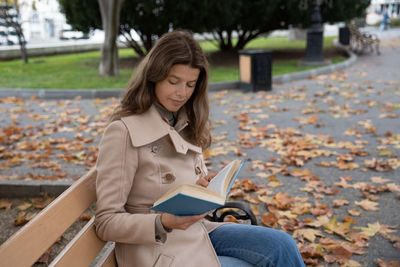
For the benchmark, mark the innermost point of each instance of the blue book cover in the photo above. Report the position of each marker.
(184, 205)
(193, 199)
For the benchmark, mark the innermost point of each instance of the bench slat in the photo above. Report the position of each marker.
(81, 250)
(32, 240)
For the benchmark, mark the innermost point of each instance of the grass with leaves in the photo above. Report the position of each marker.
(81, 70)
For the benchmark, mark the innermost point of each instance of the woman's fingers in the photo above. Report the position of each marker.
(205, 180)
(202, 182)
(211, 176)
(179, 222)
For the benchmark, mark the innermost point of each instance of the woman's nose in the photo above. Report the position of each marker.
(181, 90)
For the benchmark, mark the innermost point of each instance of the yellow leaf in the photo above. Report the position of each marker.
(254, 209)
(307, 233)
(371, 230)
(5, 204)
(351, 263)
(24, 206)
(216, 151)
(288, 214)
(219, 138)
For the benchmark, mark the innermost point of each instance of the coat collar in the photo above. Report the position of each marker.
(148, 127)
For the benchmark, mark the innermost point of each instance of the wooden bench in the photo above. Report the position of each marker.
(361, 41)
(26, 246)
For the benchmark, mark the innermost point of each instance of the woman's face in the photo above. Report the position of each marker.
(175, 90)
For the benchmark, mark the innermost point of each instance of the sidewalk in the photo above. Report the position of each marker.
(332, 137)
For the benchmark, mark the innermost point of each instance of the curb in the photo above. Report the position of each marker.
(21, 188)
(53, 94)
(319, 71)
(18, 188)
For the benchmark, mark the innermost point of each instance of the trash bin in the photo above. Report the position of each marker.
(255, 69)
(344, 35)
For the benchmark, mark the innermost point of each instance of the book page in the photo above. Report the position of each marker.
(218, 182)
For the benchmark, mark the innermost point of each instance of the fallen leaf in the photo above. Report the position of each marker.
(308, 233)
(351, 263)
(371, 230)
(283, 201)
(367, 204)
(338, 254)
(42, 202)
(382, 263)
(24, 206)
(230, 218)
(254, 209)
(340, 202)
(85, 217)
(354, 212)
(23, 218)
(379, 180)
(44, 259)
(5, 204)
(269, 220)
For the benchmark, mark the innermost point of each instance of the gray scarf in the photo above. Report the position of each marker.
(168, 116)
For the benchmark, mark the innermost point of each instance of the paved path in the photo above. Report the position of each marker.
(304, 132)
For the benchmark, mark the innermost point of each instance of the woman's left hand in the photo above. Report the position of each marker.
(205, 180)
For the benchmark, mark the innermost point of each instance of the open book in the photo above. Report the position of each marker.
(187, 199)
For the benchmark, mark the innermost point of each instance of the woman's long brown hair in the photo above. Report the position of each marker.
(177, 47)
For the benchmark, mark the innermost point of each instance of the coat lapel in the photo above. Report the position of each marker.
(148, 127)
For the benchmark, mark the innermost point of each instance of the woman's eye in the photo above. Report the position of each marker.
(191, 85)
(173, 82)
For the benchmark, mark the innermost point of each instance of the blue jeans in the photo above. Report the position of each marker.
(241, 245)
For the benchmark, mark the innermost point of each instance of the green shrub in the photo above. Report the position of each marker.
(395, 22)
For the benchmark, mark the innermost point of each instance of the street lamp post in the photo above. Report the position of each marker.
(315, 35)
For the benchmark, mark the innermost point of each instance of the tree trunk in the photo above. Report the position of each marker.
(110, 10)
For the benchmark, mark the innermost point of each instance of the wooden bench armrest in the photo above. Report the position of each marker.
(32, 240)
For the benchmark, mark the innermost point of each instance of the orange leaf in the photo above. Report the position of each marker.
(354, 212)
(283, 201)
(382, 263)
(269, 220)
(338, 254)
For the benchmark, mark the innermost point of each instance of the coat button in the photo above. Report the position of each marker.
(197, 170)
(169, 177)
(155, 149)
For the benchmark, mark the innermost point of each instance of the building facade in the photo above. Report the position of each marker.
(41, 20)
(392, 7)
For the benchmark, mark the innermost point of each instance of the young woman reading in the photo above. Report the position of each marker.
(155, 142)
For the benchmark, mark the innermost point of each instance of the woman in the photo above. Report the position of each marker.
(154, 143)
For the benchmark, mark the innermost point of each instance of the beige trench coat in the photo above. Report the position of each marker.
(140, 158)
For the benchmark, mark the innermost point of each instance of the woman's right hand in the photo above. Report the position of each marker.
(170, 221)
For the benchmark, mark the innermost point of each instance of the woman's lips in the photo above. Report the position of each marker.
(177, 102)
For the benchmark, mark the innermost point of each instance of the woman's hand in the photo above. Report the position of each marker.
(171, 221)
(204, 181)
